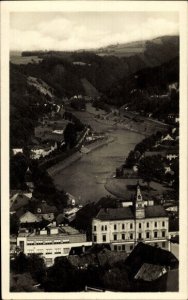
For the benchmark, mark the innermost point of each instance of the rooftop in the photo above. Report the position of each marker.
(127, 213)
(44, 208)
(28, 217)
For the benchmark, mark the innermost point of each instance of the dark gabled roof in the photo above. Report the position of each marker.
(120, 213)
(127, 213)
(144, 253)
(45, 208)
(150, 272)
(155, 211)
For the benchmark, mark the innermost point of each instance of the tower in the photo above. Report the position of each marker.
(139, 204)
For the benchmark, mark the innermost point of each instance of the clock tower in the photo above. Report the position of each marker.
(139, 204)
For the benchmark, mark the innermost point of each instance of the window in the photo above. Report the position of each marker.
(123, 247)
(105, 227)
(147, 224)
(48, 251)
(119, 248)
(123, 226)
(57, 241)
(94, 238)
(48, 242)
(155, 234)
(94, 228)
(131, 247)
(115, 226)
(65, 241)
(147, 235)
(58, 251)
(163, 245)
(163, 223)
(139, 235)
(115, 248)
(102, 228)
(66, 250)
(155, 224)
(30, 242)
(131, 226)
(163, 233)
(123, 236)
(115, 237)
(104, 237)
(140, 225)
(39, 242)
(131, 236)
(30, 251)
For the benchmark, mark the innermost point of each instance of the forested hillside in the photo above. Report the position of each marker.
(119, 80)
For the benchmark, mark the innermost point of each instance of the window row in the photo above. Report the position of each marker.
(140, 235)
(47, 242)
(50, 251)
(140, 225)
(123, 247)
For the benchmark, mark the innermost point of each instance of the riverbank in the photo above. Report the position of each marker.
(95, 145)
(54, 170)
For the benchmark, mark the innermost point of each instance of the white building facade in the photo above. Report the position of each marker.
(124, 227)
(51, 242)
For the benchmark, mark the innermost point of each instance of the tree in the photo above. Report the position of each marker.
(151, 168)
(14, 224)
(36, 267)
(18, 168)
(22, 283)
(70, 135)
(116, 279)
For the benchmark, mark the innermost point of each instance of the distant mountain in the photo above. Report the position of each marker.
(101, 68)
(147, 50)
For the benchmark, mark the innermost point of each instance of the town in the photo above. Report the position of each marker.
(53, 229)
(94, 167)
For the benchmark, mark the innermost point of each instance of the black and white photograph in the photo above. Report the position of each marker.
(96, 198)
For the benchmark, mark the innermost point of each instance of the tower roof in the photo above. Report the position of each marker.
(138, 193)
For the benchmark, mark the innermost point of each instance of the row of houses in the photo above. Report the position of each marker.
(122, 228)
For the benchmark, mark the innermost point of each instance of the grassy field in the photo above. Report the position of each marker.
(18, 60)
(120, 188)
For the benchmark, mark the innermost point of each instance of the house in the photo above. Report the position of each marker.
(19, 200)
(71, 199)
(29, 219)
(148, 267)
(124, 227)
(45, 211)
(42, 151)
(172, 155)
(17, 150)
(51, 241)
(168, 137)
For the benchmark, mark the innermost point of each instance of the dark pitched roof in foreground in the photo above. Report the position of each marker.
(127, 213)
(150, 272)
(144, 253)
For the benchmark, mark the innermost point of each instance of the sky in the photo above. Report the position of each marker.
(86, 30)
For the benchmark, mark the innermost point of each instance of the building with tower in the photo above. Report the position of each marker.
(124, 227)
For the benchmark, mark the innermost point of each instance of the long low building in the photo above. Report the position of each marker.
(51, 242)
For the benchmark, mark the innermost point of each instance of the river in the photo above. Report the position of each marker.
(85, 178)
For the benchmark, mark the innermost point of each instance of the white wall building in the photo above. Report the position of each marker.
(51, 242)
(124, 227)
